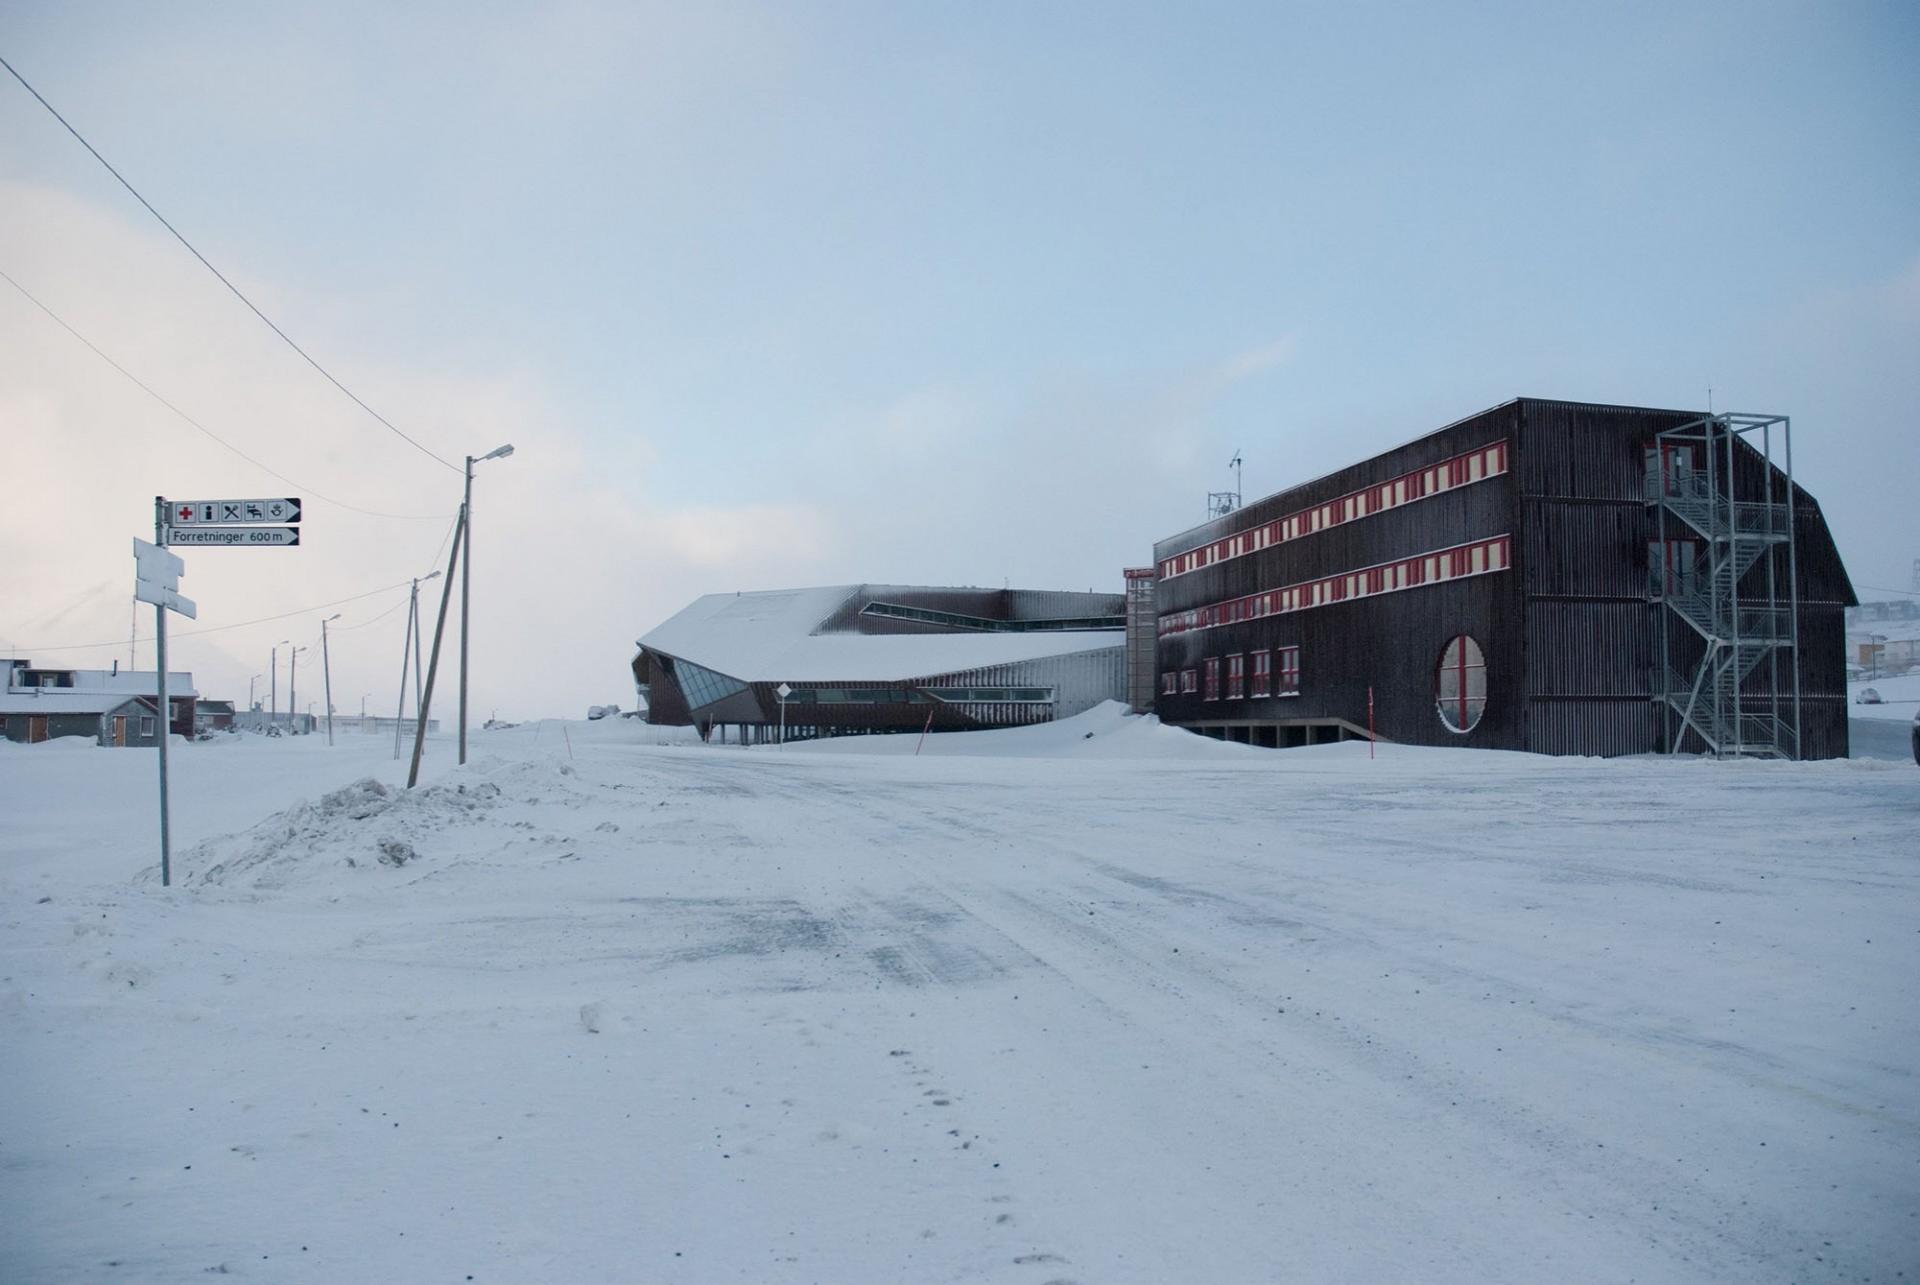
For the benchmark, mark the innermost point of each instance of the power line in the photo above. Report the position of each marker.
(220, 629)
(372, 620)
(391, 427)
(191, 421)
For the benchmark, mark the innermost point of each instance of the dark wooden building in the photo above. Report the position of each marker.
(1499, 584)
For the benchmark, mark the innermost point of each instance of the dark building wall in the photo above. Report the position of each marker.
(1590, 642)
(1391, 642)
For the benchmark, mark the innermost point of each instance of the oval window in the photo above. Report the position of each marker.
(1460, 684)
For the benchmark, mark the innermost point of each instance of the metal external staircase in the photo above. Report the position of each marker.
(1732, 606)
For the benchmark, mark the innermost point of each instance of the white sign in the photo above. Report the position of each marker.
(156, 574)
(153, 563)
(214, 512)
(783, 691)
(146, 591)
(230, 536)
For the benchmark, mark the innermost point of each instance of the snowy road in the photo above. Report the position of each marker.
(1143, 1008)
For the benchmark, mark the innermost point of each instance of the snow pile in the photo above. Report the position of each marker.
(366, 826)
(1108, 731)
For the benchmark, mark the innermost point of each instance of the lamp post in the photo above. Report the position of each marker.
(413, 629)
(466, 581)
(293, 669)
(250, 682)
(326, 673)
(273, 683)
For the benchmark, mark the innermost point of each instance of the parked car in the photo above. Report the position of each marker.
(1868, 696)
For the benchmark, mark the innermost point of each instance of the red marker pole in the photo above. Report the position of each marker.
(1370, 737)
(923, 734)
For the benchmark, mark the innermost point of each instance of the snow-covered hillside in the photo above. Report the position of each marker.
(1097, 1002)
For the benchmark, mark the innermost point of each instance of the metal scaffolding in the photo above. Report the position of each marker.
(1728, 669)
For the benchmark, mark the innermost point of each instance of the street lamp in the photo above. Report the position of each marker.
(250, 682)
(293, 667)
(466, 581)
(326, 673)
(273, 683)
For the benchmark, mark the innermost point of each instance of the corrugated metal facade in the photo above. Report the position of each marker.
(1568, 632)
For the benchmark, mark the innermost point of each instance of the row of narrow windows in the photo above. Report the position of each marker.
(1258, 674)
(1462, 470)
(1476, 558)
(1459, 680)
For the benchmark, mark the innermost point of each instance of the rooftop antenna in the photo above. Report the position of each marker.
(1221, 503)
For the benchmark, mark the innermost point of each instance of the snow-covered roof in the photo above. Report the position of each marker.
(128, 682)
(141, 682)
(64, 700)
(767, 636)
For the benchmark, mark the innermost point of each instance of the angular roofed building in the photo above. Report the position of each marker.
(882, 658)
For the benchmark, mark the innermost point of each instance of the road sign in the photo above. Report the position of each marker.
(783, 691)
(155, 564)
(147, 591)
(156, 575)
(228, 512)
(234, 536)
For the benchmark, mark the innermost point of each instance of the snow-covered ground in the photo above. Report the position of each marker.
(1028, 1007)
(1899, 697)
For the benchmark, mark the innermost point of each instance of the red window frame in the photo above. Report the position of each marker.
(1210, 682)
(1262, 674)
(1237, 676)
(1170, 683)
(1188, 682)
(1494, 552)
(1289, 671)
(1492, 460)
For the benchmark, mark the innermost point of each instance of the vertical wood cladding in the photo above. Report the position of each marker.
(1569, 632)
(1391, 642)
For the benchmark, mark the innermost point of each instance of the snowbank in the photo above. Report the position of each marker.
(367, 829)
(1107, 731)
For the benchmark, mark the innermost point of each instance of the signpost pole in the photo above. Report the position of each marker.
(783, 691)
(160, 659)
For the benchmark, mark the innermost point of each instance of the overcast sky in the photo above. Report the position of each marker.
(816, 293)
